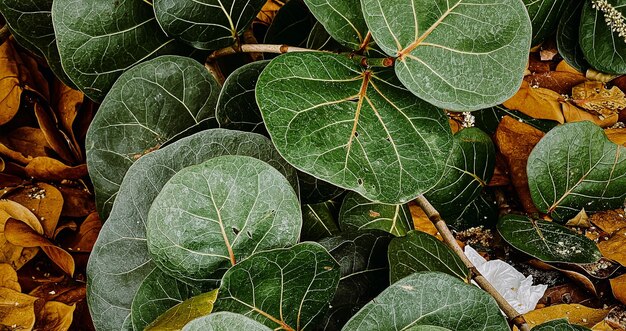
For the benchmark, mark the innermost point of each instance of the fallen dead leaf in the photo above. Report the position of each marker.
(594, 96)
(618, 286)
(18, 311)
(45, 168)
(68, 104)
(574, 313)
(615, 247)
(564, 66)
(571, 113)
(77, 202)
(28, 141)
(539, 103)
(617, 136)
(56, 316)
(8, 278)
(515, 140)
(14, 255)
(598, 76)
(580, 220)
(12, 73)
(577, 277)
(421, 222)
(269, 10)
(609, 220)
(44, 200)
(17, 156)
(87, 234)
(57, 139)
(560, 82)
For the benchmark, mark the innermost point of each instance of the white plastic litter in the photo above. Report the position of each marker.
(510, 283)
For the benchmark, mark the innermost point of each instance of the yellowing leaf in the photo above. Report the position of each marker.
(178, 316)
(594, 96)
(8, 278)
(618, 286)
(56, 316)
(45, 168)
(17, 310)
(617, 136)
(538, 103)
(615, 247)
(575, 114)
(574, 313)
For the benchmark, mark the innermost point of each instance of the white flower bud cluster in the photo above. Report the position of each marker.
(613, 18)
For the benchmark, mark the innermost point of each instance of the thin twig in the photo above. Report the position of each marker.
(214, 69)
(257, 48)
(515, 317)
(5, 33)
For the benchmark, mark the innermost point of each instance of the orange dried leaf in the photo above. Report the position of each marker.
(575, 114)
(30, 142)
(617, 136)
(12, 72)
(564, 66)
(557, 81)
(610, 220)
(618, 286)
(615, 247)
(45, 201)
(87, 234)
(8, 278)
(17, 310)
(538, 103)
(56, 138)
(45, 168)
(56, 316)
(594, 96)
(574, 313)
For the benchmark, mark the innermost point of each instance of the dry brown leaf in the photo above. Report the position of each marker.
(56, 316)
(8, 277)
(14, 255)
(18, 311)
(609, 220)
(87, 234)
(67, 292)
(20, 234)
(564, 66)
(617, 136)
(594, 96)
(618, 286)
(580, 220)
(615, 247)
(604, 326)
(45, 201)
(45, 168)
(575, 114)
(30, 142)
(574, 313)
(17, 156)
(12, 72)
(269, 10)
(557, 81)
(68, 104)
(538, 103)
(57, 139)
(77, 202)
(421, 222)
(602, 77)
(515, 141)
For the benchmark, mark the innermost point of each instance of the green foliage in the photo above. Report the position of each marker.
(544, 15)
(604, 49)
(224, 321)
(559, 325)
(358, 213)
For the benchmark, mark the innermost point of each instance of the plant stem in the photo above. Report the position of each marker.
(5, 33)
(257, 48)
(512, 314)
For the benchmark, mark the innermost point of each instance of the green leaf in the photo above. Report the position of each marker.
(342, 19)
(544, 16)
(427, 328)
(603, 49)
(206, 24)
(576, 166)
(547, 241)
(488, 119)
(559, 325)
(31, 26)
(157, 293)
(313, 190)
(318, 221)
(567, 36)
(430, 298)
(146, 107)
(98, 40)
(459, 55)
(236, 106)
(468, 170)
(355, 128)
(225, 321)
(362, 257)
(120, 259)
(287, 287)
(483, 211)
(419, 251)
(210, 216)
(358, 213)
(180, 315)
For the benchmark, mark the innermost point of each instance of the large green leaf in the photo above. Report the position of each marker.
(157, 293)
(547, 241)
(545, 15)
(225, 321)
(98, 40)
(31, 25)
(146, 107)
(430, 298)
(287, 287)
(314, 190)
(342, 19)
(358, 213)
(362, 256)
(177, 317)
(353, 127)
(419, 251)
(576, 166)
(468, 170)
(460, 55)
(206, 24)
(210, 216)
(318, 221)
(603, 49)
(567, 36)
(120, 260)
(236, 106)
(559, 325)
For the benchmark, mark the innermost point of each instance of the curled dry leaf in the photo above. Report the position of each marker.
(571, 113)
(18, 311)
(618, 286)
(12, 73)
(57, 139)
(580, 220)
(560, 82)
(8, 278)
(575, 313)
(55, 316)
(45, 168)
(539, 103)
(595, 97)
(14, 155)
(20, 234)
(617, 136)
(515, 141)
(44, 200)
(77, 202)
(577, 277)
(14, 255)
(615, 247)
(27, 141)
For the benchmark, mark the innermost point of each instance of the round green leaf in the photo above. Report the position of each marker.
(603, 49)
(177, 317)
(342, 19)
(353, 127)
(31, 25)
(358, 213)
(567, 36)
(427, 328)
(318, 221)
(468, 170)
(120, 260)
(456, 55)
(206, 24)
(547, 241)
(225, 321)
(98, 40)
(236, 106)
(288, 287)
(576, 166)
(430, 298)
(559, 325)
(314, 190)
(147, 106)
(157, 293)
(419, 251)
(544, 16)
(212, 215)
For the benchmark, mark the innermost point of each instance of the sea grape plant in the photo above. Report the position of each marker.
(228, 200)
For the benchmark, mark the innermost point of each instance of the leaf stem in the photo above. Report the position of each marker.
(257, 48)
(512, 314)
